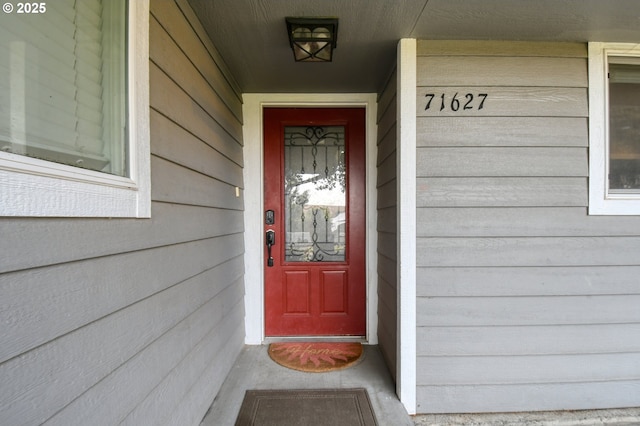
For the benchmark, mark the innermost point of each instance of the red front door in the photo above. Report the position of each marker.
(314, 197)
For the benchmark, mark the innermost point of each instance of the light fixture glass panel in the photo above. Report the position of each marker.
(324, 52)
(312, 52)
(301, 51)
(301, 32)
(321, 32)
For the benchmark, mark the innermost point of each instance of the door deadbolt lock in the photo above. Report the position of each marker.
(269, 217)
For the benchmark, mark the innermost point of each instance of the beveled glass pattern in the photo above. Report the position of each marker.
(315, 194)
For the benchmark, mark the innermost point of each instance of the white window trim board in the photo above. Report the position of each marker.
(253, 105)
(38, 188)
(600, 201)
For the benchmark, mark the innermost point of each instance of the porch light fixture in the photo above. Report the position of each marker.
(312, 39)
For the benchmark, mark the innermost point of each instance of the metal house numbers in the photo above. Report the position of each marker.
(456, 102)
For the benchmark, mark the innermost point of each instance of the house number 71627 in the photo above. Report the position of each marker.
(457, 102)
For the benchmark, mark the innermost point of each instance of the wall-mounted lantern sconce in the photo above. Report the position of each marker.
(312, 39)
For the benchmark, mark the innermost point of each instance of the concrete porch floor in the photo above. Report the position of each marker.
(255, 370)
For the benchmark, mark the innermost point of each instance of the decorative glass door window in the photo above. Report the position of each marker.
(315, 194)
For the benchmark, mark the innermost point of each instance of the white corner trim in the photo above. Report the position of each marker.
(601, 202)
(253, 104)
(253, 208)
(597, 129)
(406, 167)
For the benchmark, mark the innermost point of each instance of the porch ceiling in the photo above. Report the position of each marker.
(251, 34)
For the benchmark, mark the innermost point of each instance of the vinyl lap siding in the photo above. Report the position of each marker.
(387, 223)
(524, 301)
(136, 321)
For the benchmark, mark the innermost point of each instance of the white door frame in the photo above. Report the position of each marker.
(254, 201)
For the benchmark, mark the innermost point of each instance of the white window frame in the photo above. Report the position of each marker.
(601, 201)
(38, 188)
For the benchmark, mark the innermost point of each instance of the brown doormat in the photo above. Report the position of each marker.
(315, 357)
(306, 407)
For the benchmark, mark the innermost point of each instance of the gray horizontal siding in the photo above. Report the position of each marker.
(137, 321)
(215, 158)
(174, 183)
(386, 185)
(132, 235)
(492, 162)
(501, 341)
(529, 251)
(502, 192)
(28, 294)
(168, 55)
(526, 311)
(503, 280)
(502, 131)
(501, 71)
(524, 302)
(497, 370)
(529, 397)
(198, 375)
(173, 102)
(521, 222)
(192, 40)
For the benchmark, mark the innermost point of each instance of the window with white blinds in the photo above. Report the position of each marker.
(614, 128)
(63, 84)
(624, 125)
(74, 110)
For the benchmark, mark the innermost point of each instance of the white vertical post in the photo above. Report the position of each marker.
(406, 167)
(253, 229)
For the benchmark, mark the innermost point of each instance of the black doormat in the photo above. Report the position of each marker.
(306, 407)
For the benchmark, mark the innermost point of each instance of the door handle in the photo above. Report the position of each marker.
(270, 238)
